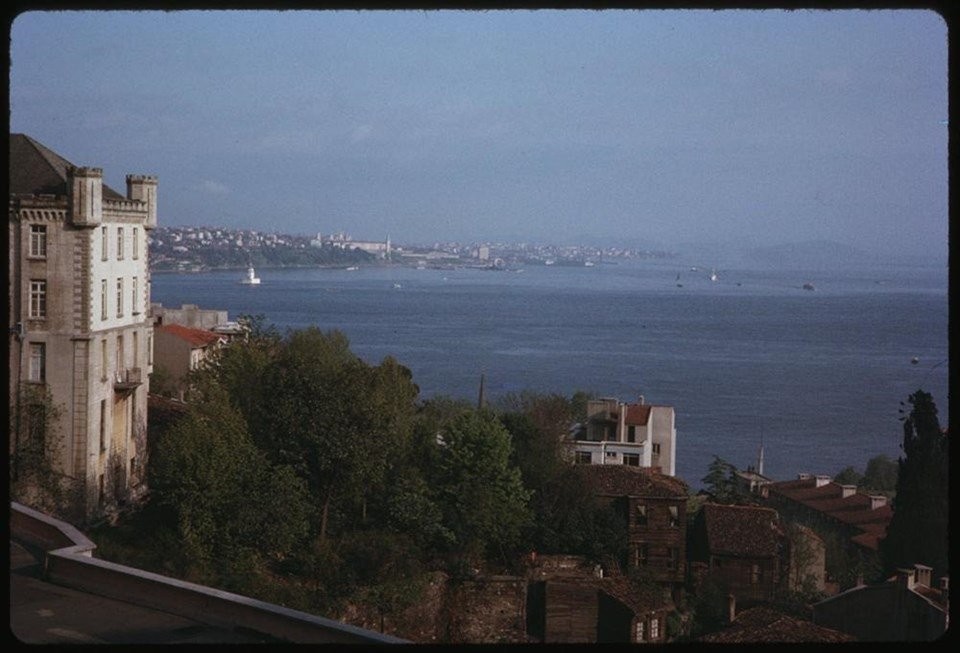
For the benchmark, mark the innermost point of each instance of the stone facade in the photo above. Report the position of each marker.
(79, 320)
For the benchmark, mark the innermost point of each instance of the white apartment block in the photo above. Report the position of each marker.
(638, 434)
(79, 318)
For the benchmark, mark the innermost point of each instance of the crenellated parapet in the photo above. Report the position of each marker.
(143, 188)
(85, 186)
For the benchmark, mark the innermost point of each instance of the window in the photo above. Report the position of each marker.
(104, 360)
(136, 348)
(136, 243)
(639, 630)
(103, 299)
(631, 434)
(641, 515)
(656, 448)
(584, 457)
(611, 454)
(654, 629)
(119, 243)
(38, 240)
(120, 297)
(641, 555)
(38, 362)
(120, 364)
(632, 459)
(103, 425)
(674, 516)
(149, 350)
(133, 298)
(755, 575)
(38, 298)
(104, 249)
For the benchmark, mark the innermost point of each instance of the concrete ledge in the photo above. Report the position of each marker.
(69, 562)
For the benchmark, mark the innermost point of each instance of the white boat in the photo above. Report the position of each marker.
(352, 268)
(251, 279)
(713, 275)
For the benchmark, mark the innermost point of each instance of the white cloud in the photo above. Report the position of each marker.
(214, 187)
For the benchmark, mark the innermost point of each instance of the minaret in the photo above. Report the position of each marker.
(480, 399)
(760, 455)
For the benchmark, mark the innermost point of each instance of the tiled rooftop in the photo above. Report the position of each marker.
(196, 337)
(625, 480)
(766, 625)
(747, 531)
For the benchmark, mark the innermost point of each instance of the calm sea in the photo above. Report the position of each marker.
(818, 375)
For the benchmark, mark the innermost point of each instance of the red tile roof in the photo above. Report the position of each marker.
(626, 480)
(196, 337)
(764, 624)
(638, 414)
(853, 510)
(744, 531)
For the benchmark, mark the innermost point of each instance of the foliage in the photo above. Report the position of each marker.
(34, 478)
(918, 530)
(880, 475)
(338, 421)
(480, 492)
(709, 609)
(226, 503)
(848, 476)
(721, 481)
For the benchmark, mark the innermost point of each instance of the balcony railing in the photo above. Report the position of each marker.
(128, 379)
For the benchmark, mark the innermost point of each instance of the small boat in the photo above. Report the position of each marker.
(713, 275)
(588, 264)
(808, 286)
(251, 279)
(352, 268)
(397, 286)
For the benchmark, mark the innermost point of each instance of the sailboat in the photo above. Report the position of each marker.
(251, 279)
(713, 275)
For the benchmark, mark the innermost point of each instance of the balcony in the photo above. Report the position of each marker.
(128, 380)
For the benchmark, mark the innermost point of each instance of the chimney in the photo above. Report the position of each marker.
(822, 479)
(905, 578)
(923, 574)
(877, 501)
(945, 589)
(847, 491)
(640, 400)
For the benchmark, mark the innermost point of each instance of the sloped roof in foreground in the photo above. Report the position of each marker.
(35, 169)
(626, 480)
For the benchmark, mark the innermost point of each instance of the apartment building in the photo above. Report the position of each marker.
(79, 321)
(636, 434)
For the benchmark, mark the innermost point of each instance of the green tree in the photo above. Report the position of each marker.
(721, 481)
(848, 476)
(480, 493)
(880, 475)
(226, 503)
(918, 530)
(336, 421)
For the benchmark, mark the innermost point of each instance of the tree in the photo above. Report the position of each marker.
(480, 493)
(880, 475)
(848, 476)
(918, 530)
(332, 417)
(721, 481)
(220, 495)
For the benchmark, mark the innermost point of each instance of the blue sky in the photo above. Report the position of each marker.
(642, 127)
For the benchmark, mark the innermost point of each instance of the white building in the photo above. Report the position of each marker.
(638, 434)
(80, 326)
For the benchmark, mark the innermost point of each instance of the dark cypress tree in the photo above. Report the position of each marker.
(918, 532)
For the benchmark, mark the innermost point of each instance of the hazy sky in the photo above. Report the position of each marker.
(550, 126)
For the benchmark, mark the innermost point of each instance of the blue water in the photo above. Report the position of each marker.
(818, 375)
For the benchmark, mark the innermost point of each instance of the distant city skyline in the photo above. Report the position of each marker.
(564, 126)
